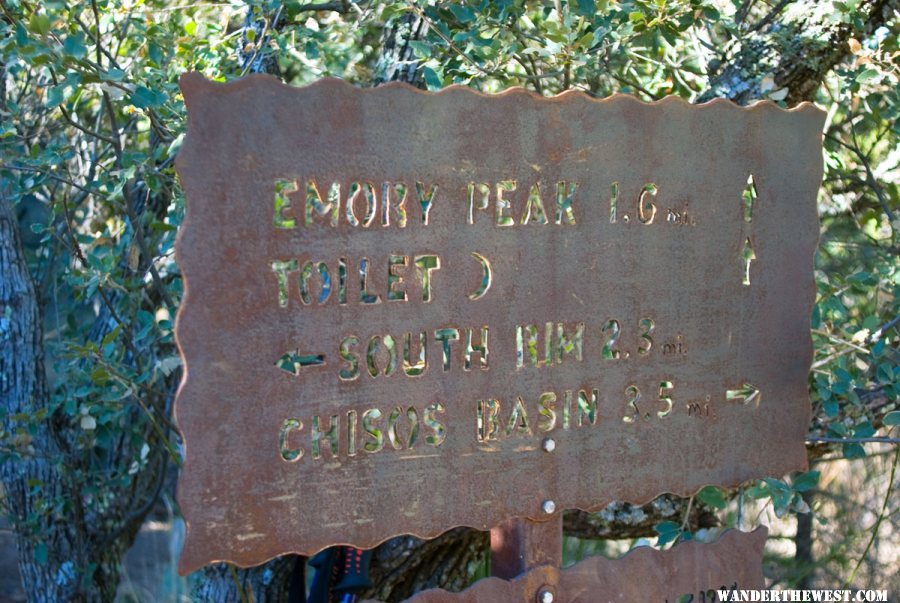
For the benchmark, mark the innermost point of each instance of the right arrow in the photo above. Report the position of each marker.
(747, 392)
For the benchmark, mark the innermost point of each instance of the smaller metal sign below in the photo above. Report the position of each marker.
(690, 572)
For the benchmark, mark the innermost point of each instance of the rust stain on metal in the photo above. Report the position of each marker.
(734, 561)
(349, 254)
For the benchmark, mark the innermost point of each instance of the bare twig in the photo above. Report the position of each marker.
(874, 440)
(881, 516)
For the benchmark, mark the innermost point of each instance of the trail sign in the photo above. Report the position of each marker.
(692, 572)
(406, 312)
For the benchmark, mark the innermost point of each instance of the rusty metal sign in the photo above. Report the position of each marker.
(407, 311)
(688, 573)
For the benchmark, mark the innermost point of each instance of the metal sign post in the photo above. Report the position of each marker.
(520, 545)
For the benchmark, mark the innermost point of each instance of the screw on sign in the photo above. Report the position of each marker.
(481, 310)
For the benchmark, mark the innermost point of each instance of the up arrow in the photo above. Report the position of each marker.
(292, 362)
(747, 392)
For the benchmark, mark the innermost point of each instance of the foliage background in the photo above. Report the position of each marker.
(92, 119)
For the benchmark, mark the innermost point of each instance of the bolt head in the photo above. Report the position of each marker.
(548, 445)
(545, 596)
(548, 507)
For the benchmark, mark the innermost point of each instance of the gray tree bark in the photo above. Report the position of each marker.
(797, 49)
(53, 542)
(50, 548)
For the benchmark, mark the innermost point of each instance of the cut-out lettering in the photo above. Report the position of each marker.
(479, 197)
(373, 432)
(587, 405)
(430, 420)
(445, 337)
(565, 197)
(324, 278)
(352, 420)
(569, 341)
(476, 348)
(747, 255)
(547, 411)
(609, 352)
(486, 277)
(292, 362)
(488, 420)
(534, 208)
(281, 270)
(613, 201)
(632, 397)
(372, 349)
(414, 369)
(646, 207)
(747, 393)
(665, 388)
(289, 454)
(316, 206)
(425, 265)
(526, 344)
(364, 191)
(330, 434)
(393, 197)
(503, 204)
(342, 281)
(647, 325)
(749, 198)
(518, 420)
(364, 296)
(396, 264)
(283, 217)
(426, 199)
(351, 372)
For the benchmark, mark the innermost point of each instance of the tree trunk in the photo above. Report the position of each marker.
(50, 548)
(797, 51)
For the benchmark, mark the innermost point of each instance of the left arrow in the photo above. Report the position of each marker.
(292, 362)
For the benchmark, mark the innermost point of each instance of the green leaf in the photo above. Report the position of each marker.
(190, 28)
(892, 419)
(39, 24)
(74, 46)
(806, 481)
(864, 430)
(711, 13)
(114, 75)
(713, 497)
(432, 79)
(422, 49)
(99, 376)
(668, 531)
(55, 96)
(854, 451)
(392, 11)
(143, 97)
(41, 553)
(885, 372)
(867, 75)
(585, 8)
(463, 14)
